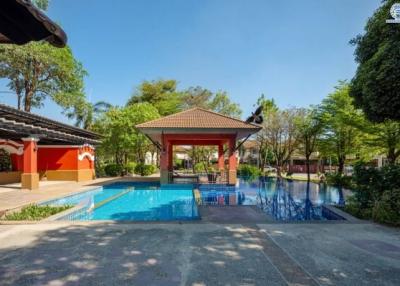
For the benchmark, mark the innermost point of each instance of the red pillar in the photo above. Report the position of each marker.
(30, 176)
(232, 161)
(221, 159)
(165, 162)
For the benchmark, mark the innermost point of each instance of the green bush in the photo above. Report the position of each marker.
(130, 167)
(35, 212)
(199, 167)
(113, 170)
(246, 170)
(145, 170)
(339, 180)
(376, 193)
(387, 208)
(100, 172)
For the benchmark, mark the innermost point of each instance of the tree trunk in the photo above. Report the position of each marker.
(341, 165)
(308, 167)
(391, 156)
(28, 100)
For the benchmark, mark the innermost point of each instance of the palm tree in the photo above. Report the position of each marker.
(86, 113)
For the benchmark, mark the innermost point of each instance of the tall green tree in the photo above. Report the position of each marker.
(162, 94)
(309, 126)
(38, 70)
(218, 102)
(86, 113)
(280, 133)
(385, 137)
(121, 138)
(375, 86)
(265, 152)
(341, 121)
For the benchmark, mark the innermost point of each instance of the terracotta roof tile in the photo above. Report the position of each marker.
(198, 118)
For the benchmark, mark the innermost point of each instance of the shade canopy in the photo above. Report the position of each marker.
(22, 22)
(197, 121)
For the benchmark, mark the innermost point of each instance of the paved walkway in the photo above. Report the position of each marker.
(91, 253)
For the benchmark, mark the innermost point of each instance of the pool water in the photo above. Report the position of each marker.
(283, 200)
(133, 201)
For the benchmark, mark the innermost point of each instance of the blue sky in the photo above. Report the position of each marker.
(294, 51)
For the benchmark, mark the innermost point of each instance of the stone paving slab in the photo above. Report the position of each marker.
(106, 253)
(342, 254)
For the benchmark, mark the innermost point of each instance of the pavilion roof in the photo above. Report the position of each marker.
(198, 118)
(16, 124)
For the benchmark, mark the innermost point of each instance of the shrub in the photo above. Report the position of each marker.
(376, 193)
(100, 172)
(130, 167)
(199, 167)
(387, 208)
(246, 170)
(339, 180)
(35, 212)
(145, 170)
(113, 170)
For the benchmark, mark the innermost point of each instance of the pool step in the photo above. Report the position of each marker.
(114, 197)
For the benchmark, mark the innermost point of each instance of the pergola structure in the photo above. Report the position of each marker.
(40, 147)
(197, 126)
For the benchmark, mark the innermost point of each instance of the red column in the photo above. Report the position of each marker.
(232, 161)
(30, 177)
(221, 159)
(165, 162)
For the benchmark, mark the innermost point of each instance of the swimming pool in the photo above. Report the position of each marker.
(132, 201)
(282, 200)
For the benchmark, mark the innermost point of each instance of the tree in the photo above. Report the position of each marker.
(386, 137)
(375, 86)
(86, 113)
(222, 104)
(38, 70)
(309, 126)
(162, 94)
(121, 138)
(218, 102)
(341, 121)
(281, 135)
(265, 153)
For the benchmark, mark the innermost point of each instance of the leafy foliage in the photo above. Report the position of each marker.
(246, 170)
(162, 94)
(38, 70)
(375, 86)
(341, 121)
(113, 170)
(145, 170)
(5, 161)
(376, 193)
(121, 138)
(35, 212)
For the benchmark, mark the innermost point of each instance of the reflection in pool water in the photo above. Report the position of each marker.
(285, 200)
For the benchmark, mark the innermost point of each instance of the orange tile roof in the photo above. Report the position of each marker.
(198, 118)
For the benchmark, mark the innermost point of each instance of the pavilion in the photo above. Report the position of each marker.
(198, 126)
(43, 148)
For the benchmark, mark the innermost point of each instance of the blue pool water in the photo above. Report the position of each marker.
(283, 200)
(133, 201)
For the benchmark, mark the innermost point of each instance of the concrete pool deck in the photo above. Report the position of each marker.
(105, 253)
